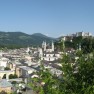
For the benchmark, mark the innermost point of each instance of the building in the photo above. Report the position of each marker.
(48, 52)
(22, 71)
(83, 34)
(4, 61)
(5, 86)
(7, 73)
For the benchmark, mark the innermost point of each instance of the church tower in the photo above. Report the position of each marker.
(28, 50)
(45, 46)
(40, 52)
(52, 46)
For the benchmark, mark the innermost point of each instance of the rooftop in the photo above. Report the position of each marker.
(4, 83)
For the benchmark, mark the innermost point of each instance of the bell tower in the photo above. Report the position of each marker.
(45, 46)
(52, 46)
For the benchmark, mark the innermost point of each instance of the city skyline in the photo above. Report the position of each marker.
(50, 17)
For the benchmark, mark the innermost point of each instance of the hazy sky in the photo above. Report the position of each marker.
(51, 17)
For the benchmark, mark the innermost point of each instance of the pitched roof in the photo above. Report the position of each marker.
(5, 83)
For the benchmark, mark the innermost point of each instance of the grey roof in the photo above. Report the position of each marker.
(5, 83)
(1, 67)
(53, 64)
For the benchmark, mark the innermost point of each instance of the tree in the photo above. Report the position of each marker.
(87, 45)
(11, 76)
(4, 76)
(46, 83)
(7, 68)
(79, 77)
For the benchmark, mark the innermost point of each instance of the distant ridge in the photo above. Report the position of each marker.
(20, 38)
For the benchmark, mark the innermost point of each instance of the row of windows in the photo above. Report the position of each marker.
(49, 59)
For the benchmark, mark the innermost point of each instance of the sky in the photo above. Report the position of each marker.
(50, 17)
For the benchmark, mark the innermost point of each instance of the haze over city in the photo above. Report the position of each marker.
(50, 17)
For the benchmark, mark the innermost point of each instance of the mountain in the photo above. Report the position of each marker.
(19, 38)
(39, 38)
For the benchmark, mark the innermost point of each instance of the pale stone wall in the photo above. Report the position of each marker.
(18, 72)
(6, 72)
(7, 89)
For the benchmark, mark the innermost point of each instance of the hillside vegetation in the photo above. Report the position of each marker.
(18, 39)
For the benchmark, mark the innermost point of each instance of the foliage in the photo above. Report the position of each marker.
(11, 76)
(4, 76)
(45, 83)
(77, 74)
(18, 39)
(14, 82)
(87, 44)
(79, 78)
(68, 43)
(6, 68)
